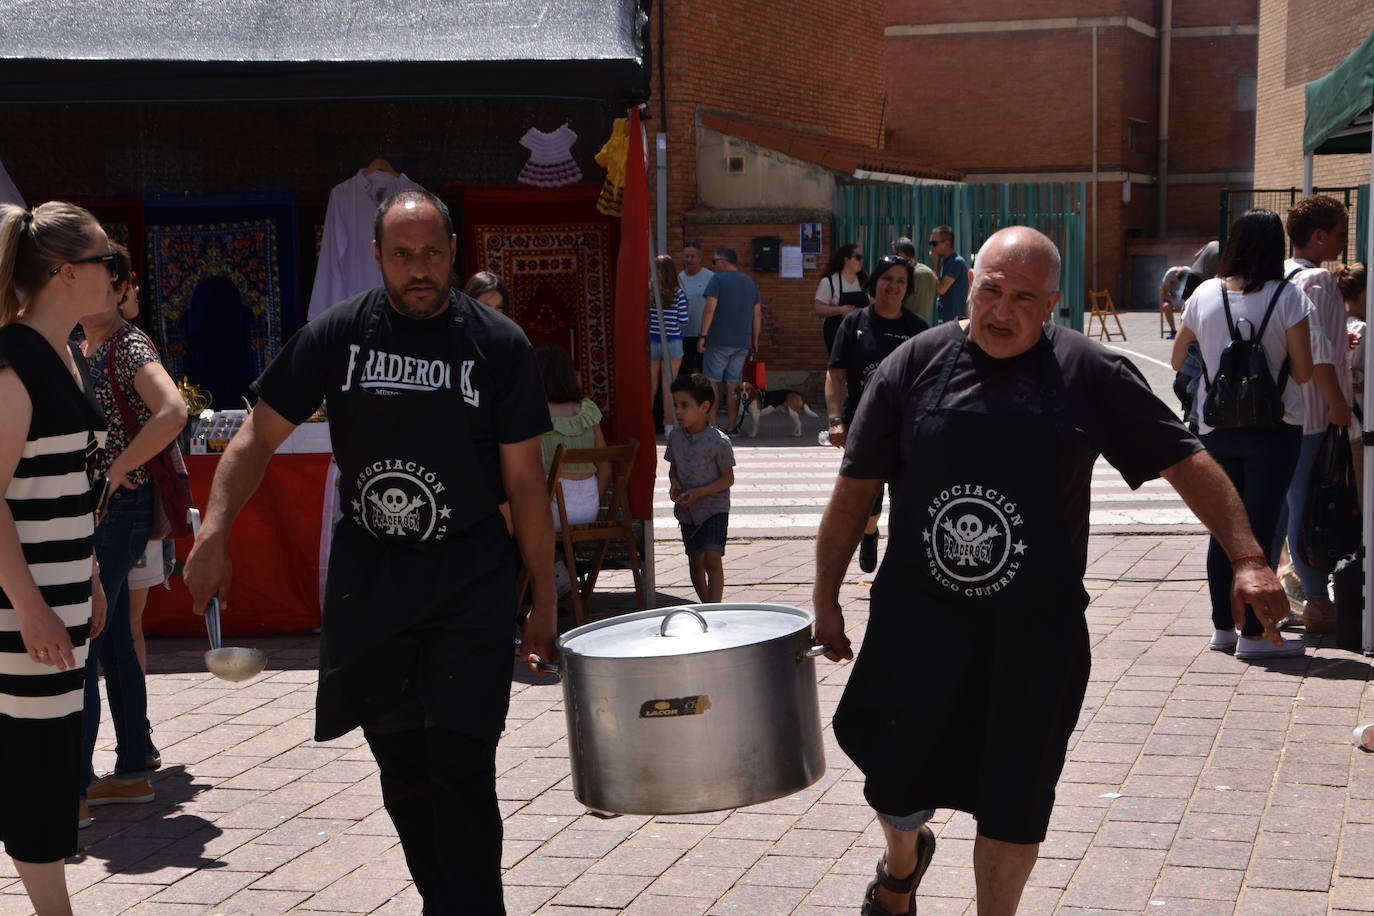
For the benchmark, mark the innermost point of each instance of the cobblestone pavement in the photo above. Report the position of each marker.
(1196, 784)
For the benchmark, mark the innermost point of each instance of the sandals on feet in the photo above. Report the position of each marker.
(925, 851)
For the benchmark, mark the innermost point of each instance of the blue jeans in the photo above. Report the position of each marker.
(120, 540)
(1260, 464)
(1313, 580)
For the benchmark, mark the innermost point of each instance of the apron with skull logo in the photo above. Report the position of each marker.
(976, 657)
(418, 602)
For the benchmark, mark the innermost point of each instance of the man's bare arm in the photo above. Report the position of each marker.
(843, 524)
(522, 473)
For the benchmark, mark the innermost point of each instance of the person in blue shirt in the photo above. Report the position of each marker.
(730, 326)
(952, 273)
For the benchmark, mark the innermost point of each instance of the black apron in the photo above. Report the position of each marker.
(976, 657)
(855, 297)
(419, 596)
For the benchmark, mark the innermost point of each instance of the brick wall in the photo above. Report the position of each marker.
(1038, 118)
(816, 65)
(1301, 40)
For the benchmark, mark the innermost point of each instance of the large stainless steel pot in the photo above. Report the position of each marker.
(694, 708)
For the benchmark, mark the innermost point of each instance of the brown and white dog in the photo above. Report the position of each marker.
(755, 402)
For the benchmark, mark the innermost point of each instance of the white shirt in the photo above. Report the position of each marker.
(1205, 315)
(830, 288)
(347, 266)
(1329, 343)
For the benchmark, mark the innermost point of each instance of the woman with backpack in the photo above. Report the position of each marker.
(840, 291)
(1250, 324)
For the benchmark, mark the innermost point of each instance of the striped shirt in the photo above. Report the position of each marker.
(49, 497)
(675, 315)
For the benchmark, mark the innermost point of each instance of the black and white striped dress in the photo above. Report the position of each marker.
(51, 501)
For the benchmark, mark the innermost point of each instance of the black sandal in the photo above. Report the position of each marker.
(925, 851)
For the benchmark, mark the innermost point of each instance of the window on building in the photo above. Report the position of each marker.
(1135, 135)
(1245, 93)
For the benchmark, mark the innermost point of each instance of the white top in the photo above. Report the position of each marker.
(1329, 343)
(1206, 317)
(347, 266)
(830, 288)
(1358, 326)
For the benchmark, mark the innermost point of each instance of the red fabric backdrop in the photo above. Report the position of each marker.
(274, 546)
(563, 262)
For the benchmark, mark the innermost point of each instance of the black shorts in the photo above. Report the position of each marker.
(710, 535)
(41, 764)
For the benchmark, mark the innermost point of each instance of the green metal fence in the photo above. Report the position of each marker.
(874, 214)
(1280, 200)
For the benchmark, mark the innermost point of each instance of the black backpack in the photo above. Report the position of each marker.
(1243, 395)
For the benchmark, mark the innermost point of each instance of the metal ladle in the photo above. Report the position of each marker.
(227, 663)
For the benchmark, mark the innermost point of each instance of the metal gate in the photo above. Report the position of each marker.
(1281, 200)
(875, 214)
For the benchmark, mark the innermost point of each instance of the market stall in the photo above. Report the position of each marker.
(211, 142)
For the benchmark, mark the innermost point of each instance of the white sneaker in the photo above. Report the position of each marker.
(1223, 641)
(1259, 647)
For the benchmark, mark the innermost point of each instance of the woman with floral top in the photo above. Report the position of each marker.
(118, 353)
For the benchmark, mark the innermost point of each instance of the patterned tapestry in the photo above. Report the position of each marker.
(559, 278)
(216, 292)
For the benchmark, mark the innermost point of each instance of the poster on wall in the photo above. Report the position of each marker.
(790, 267)
(811, 238)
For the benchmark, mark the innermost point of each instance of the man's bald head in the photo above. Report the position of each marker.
(1024, 245)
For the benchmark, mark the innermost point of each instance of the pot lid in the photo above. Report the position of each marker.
(684, 630)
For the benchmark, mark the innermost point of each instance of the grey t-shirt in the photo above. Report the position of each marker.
(695, 288)
(732, 325)
(698, 460)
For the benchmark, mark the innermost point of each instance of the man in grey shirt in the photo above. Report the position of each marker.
(693, 279)
(730, 327)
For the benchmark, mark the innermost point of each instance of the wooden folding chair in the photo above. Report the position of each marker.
(1101, 308)
(615, 522)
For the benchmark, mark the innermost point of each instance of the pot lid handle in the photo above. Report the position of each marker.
(663, 628)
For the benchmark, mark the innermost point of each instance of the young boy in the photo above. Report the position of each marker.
(701, 471)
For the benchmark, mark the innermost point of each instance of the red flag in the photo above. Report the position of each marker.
(634, 415)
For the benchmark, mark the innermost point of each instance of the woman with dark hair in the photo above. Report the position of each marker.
(145, 412)
(55, 266)
(841, 290)
(488, 288)
(1251, 295)
(576, 424)
(863, 340)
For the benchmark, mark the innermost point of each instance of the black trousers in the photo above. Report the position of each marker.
(439, 786)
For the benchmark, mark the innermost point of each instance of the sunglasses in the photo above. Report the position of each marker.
(857, 256)
(108, 259)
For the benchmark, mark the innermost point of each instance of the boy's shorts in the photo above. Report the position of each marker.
(708, 536)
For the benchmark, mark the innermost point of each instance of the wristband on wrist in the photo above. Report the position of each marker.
(836, 421)
(1250, 556)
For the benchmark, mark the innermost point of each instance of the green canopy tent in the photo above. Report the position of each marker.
(1339, 110)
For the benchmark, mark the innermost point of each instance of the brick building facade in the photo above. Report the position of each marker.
(1300, 41)
(1003, 91)
(753, 83)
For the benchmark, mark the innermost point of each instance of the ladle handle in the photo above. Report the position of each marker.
(212, 622)
(663, 628)
(815, 651)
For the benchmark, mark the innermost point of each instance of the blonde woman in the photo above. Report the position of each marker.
(55, 266)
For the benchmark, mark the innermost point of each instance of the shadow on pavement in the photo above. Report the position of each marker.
(141, 839)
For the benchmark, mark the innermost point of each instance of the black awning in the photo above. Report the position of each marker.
(180, 50)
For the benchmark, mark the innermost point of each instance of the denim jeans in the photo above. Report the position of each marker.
(1260, 464)
(1313, 580)
(120, 540)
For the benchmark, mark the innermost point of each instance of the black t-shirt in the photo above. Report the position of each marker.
(1107, 403)
(411, 466)
(864, 340)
